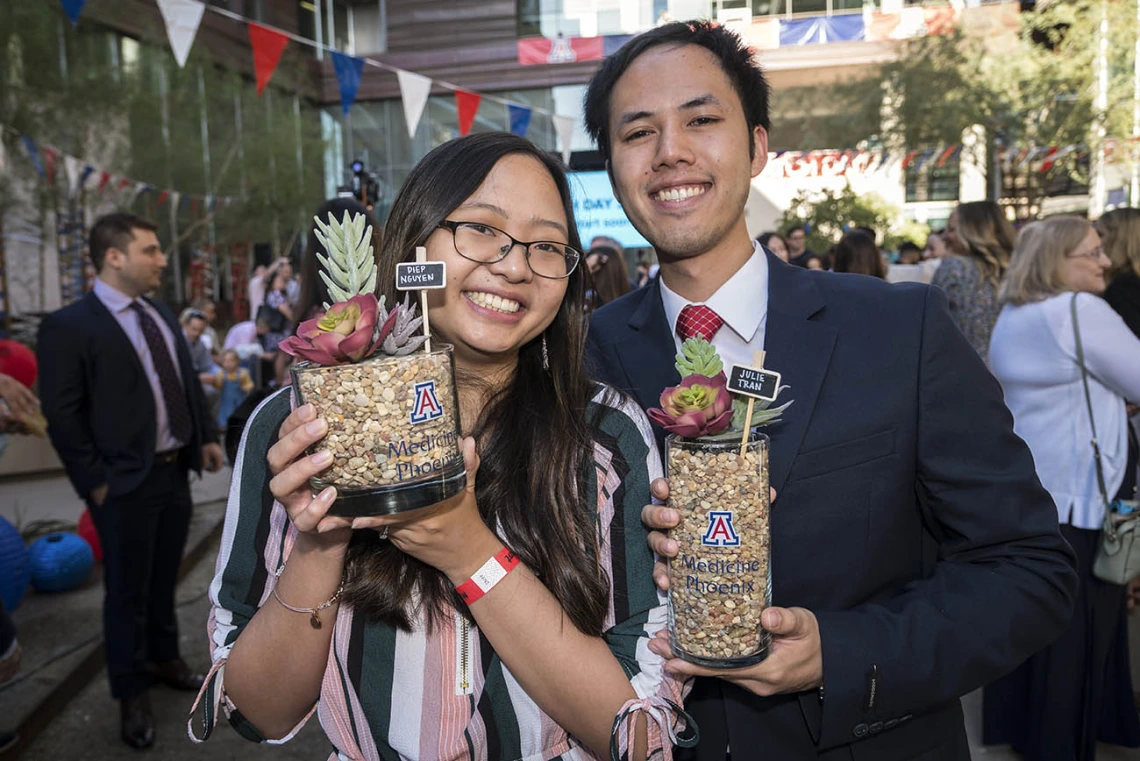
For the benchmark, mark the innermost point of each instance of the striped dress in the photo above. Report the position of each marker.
(445, 694)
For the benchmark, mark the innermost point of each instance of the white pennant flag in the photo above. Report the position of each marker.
(3, 158)
(71, 167)
(414, 90)
(182, 18)
(564, 126)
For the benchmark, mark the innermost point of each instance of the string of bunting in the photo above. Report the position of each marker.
(183, 18)
(80, 175)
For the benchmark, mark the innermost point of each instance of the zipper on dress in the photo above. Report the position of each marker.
(462, 656)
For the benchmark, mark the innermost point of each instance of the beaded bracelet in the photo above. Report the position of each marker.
(314, 620)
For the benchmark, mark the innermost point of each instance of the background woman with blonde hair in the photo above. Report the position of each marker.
(1060, 702)
(971, 280)
(1120, 233)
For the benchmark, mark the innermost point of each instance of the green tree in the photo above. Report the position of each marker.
(141, 116)
(829, 214)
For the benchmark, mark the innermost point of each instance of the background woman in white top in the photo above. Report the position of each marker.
(1062, 700)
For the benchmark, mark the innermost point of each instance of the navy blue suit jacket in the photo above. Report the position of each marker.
(909, 517)
(98, 402)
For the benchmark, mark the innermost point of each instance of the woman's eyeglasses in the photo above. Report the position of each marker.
(485, 244)
(1096, 253)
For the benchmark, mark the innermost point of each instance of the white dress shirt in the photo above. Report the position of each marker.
(119, 305)
(1033, 355)
(742, 302)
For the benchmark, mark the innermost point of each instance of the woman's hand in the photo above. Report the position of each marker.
(450, 536)
(292, 468)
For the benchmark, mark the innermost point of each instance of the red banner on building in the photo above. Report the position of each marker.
(534, 51)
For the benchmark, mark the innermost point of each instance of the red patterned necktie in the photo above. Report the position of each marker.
(698, 320)
(177, 410)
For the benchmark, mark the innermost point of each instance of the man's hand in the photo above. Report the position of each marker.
(212, 457)
(794, 662)
(99, 495)
(663, 517)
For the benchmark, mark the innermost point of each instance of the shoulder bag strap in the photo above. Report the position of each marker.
(1092, 422)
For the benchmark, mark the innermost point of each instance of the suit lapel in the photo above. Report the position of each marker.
(800, 349)
(107, 325)
(649, 358)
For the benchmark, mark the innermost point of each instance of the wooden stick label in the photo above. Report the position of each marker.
(416, 276)
(754, 382)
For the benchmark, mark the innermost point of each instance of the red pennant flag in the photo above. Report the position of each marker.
(194, 206)
(268, 44)
(123, 183)
(50, 155)
(909, 158)
(466, 103)
(103, 180)
(162, 198)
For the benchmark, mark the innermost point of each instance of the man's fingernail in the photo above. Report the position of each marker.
(328, 495)
(315, 427)
(671, 547)
(671, 515)
(306, 411)
(772, 619)
(322, 458)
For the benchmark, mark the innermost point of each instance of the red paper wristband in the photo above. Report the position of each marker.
(488, 575)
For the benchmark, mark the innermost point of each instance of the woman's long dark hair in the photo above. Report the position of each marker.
(314, 292)
(856, 252)
(534, 442)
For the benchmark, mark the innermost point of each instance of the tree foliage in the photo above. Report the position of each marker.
(125, 106)
(828, 214)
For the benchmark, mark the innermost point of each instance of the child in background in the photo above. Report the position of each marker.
(234, 383)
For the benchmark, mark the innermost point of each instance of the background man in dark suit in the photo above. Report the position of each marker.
(911, 533)
(126, 414)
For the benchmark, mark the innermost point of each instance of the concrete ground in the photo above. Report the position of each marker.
(89, 727)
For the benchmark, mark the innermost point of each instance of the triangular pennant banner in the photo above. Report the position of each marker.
(348, 71)
(182, 18)
(50, 155)
(33, 154)
(564, 127)
(85, 176)
(73, 8)
(123, 184)
(520, 119)
(175, 199)
(267, 44)
(3, 157)
(414, 91)
(162, 196)
(103, 180)
(466, 104)
(71, 169)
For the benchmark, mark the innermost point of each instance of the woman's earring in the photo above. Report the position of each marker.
(545, 354)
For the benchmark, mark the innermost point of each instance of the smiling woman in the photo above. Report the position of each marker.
(470, 610)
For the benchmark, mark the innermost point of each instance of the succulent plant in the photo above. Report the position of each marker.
(350, 268)
(698, 357)
(402, 337)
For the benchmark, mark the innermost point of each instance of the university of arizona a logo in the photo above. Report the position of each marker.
(426, 405)
(721, 532)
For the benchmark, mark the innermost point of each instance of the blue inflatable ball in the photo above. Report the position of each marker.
(15, 571)
(60, 561)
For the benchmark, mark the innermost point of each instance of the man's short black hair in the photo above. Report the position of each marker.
(907, 245)
(735, 58)
(115, 231)
(794, 228)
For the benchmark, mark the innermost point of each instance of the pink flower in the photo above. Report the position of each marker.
(700, 406)
(345, 333)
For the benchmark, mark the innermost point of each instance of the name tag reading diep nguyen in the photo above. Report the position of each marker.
(421, 276)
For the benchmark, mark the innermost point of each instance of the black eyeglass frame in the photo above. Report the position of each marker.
(453, 226)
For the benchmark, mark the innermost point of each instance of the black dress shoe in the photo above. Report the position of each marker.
(136, 725)
(178, 675)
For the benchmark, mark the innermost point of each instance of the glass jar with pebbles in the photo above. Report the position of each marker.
(393, 423)
(717, 466)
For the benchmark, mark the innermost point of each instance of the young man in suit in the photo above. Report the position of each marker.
(915, 555)
(127, 417)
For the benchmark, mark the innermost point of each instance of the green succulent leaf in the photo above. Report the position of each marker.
(698, 357)
(349, 269)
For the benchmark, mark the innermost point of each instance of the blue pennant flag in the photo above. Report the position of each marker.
(520, 119)
(34, 155)
(73, 8)
(348, 71)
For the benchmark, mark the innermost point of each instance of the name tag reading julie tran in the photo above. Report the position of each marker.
(419, 276)
(754, 382)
